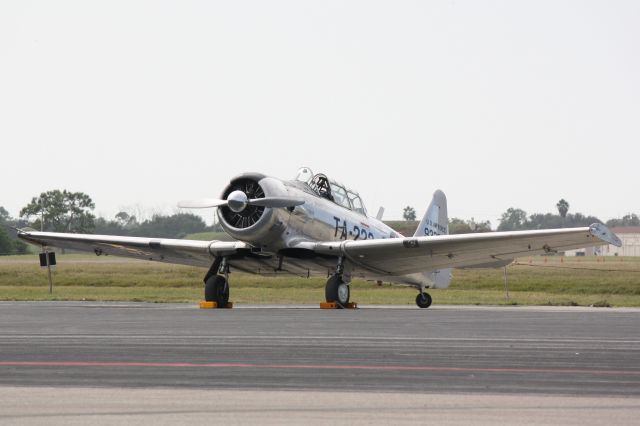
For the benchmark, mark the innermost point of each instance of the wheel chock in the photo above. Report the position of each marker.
(334, 305)
(214, 305)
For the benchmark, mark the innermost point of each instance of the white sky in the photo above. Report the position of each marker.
(499, 104)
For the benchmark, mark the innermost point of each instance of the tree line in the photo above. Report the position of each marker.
(66, 211)
(9, 244)
(516, 219)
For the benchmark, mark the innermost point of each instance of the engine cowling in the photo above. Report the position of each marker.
(254, 223)
(248, 216)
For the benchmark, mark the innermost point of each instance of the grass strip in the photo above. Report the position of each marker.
(536, 281)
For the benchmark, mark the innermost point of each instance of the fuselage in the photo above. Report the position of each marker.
(284, 233)
(318, 219)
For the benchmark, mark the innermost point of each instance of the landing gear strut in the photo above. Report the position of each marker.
(423, 300)
(216, 287)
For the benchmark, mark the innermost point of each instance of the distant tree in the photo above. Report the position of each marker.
(549, 221)
(409, 213)
(4, 215)
(6, 244)
(563, 207)
(479, 226)
(109, 227)
(14, 245)
(20, 247)
(174, 226)
(578, 219)
(544, 221)
(630, 219)
(125, 219)
(458, 226)
(513, 219)
(62, 211)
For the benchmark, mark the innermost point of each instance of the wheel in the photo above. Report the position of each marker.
(337, 290)
(217, 290)
(423, 300)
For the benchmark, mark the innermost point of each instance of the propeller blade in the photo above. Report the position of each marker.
(237, 201)
(202, 203)
(276, 202)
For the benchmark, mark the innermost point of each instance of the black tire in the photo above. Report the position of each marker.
(337, 290)
(423, 300)
(217, 290)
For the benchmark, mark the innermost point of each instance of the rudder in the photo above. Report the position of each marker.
(436, 222)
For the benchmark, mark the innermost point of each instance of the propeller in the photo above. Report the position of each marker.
(237, 201)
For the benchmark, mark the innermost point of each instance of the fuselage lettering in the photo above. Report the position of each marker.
(343, 230)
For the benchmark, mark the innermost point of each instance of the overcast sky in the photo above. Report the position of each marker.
(499, 104)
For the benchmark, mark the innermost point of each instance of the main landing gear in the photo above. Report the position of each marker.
(216, 287)
(423, 300)
(337, 290)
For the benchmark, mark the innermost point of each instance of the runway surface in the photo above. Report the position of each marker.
(572, 351)
(481, 351)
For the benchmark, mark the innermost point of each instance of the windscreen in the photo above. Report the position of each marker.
(340, 196)
(356, 202)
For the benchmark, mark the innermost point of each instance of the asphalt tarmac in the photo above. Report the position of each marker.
(467, 351)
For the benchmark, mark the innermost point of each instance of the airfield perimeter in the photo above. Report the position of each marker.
(101, 362)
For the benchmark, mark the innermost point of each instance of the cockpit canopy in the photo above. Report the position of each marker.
(331, 190)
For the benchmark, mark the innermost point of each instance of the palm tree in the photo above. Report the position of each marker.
(563, 207)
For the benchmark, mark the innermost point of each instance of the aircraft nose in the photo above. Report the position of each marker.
(237, 201)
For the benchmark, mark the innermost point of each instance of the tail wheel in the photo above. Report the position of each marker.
(216, 289)
(423, 300)
(337, 290)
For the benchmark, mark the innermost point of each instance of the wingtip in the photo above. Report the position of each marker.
(23, 231)
(601, 231)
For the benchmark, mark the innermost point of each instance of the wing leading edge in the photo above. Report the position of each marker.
(184, 252)
(241, 256)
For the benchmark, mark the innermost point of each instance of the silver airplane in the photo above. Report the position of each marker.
(312, 226)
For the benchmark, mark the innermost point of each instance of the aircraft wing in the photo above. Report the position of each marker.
(185, 252)
(401, 256)
(389, 257)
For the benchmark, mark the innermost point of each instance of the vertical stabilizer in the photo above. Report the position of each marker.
(436, 222)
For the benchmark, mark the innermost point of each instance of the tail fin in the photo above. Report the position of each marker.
(436, 222)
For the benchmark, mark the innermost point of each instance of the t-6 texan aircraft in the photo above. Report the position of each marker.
(313, 225)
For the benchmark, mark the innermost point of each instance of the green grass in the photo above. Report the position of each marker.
(614, 282)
